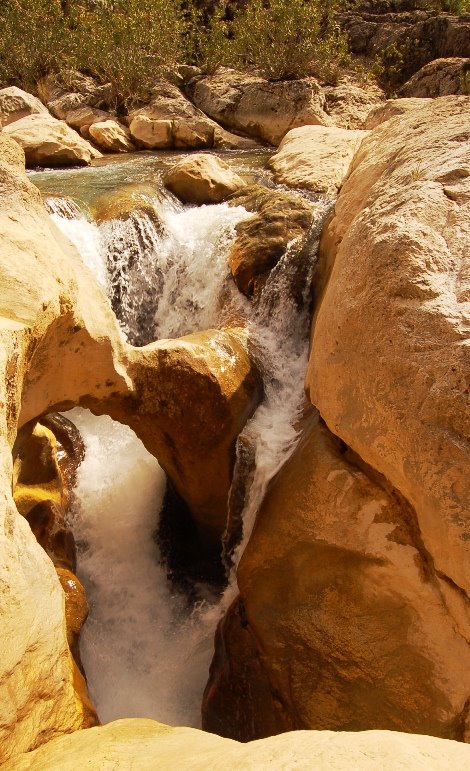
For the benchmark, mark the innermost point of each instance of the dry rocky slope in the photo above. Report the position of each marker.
(363, 537)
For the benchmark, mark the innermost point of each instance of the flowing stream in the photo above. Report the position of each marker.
(145, 649)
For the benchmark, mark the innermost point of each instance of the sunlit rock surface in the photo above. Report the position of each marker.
(316, 157)
(390, 354)
(16, 104)
(47, 141)
(144, 745)
(202, 178)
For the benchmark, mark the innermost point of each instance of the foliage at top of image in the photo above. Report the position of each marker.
(280, 39)
(130, 43)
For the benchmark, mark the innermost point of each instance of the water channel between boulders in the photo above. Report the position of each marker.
(146, 647)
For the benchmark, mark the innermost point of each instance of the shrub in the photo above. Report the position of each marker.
(33, 40)
(279, 39)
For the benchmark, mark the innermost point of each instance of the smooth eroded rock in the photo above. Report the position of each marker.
(61, 345)
(47, 141)
(202, 179)
(316, 157)
(390, 357)
(341, 623)
(111, 137)
(391, 109)
(141, 744)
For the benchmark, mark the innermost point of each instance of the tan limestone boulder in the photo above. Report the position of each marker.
(16, 104)
(170, 121)
(342, 622)
(145, 744)
(257, 107)
(280, 221)
(47, 141)
(111, 136)
(61, 345)
(202, 179)
(316, 157)
(83, 117)
(390, 355)
(151, 134)
(391, 109)
(441, 77)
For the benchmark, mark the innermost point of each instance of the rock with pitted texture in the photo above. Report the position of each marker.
(16, 104)
(348, 103)
(441, 77)
(390, 355)
(47, 141)
(316, 157)
(342, 622)
(257, 107)
(202, 178)
(280, 221)
(145, 744)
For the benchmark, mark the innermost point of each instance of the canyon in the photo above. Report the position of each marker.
(235, 389)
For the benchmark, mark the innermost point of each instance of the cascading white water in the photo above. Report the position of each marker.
(82, 233)
(145, 652)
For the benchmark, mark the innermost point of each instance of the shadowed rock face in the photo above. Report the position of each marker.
(341, 621)
(62, 346)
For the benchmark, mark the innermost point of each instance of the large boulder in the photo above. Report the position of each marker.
(145, 744)
(390, 357)
(340, 622)
(16, 104)
(170, 121)
(61, 345)
(259, 108)
(316, 157)
(47, 141)
(441, 77)
(280, 221)
(202, 179)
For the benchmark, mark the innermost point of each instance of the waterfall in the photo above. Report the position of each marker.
(145, 651)
(83, 234)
